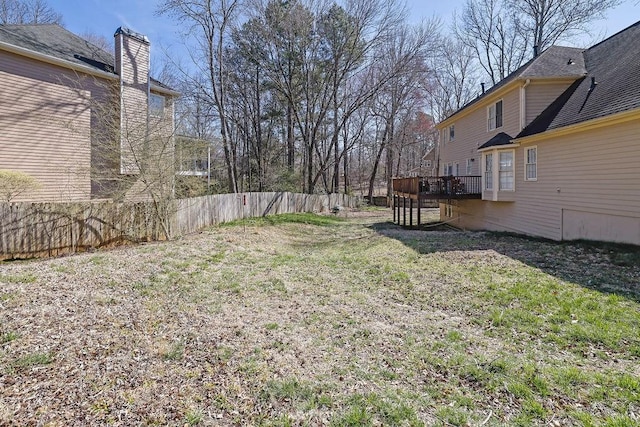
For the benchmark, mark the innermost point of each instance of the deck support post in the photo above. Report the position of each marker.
(393, 207)
(404, 211)
(411, 212)
(419, 205)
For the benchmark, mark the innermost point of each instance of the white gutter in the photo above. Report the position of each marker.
(500, 147)
(56, 61)
(158, 88)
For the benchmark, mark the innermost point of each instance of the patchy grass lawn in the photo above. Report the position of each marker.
(305, 320)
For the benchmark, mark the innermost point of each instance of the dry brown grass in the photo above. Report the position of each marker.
(356, 322)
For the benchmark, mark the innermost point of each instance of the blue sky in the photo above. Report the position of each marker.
(105, 16)
(617, 19)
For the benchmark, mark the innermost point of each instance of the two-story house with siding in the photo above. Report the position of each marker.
(556, 147)
(75, 117)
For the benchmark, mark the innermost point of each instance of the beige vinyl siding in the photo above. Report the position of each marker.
(590, 176)
(471, 131)
(45, 121)
(539, 95)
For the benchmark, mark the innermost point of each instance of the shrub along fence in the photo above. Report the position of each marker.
(30, 230)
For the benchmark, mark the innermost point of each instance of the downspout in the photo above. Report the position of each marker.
(523, 104)
(440, 138)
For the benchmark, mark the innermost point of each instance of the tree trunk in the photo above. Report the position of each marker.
(290, 138)
(259, 142)
(372, 179)
(345, 168)
(390, 155)
(335, 185)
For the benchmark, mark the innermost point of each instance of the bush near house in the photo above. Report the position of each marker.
(14, 184)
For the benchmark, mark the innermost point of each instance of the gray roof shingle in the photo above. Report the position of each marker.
(498, 140)
(611, 85)
(556, 61)
(615, 66)
(55, 41)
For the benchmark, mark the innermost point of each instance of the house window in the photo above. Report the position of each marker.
(488, 171)
(456, 169)
(156, 105)
(452, 132)
(427, 163)
(469, 166)
(531, 164)
(505, 171)
(448, 169)
(494, 116)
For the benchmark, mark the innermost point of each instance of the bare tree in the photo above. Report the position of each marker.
(98, 40)
(494, 33)
(28, 12)
(453, 78)
(548, 21)
(349, 77)
(502, 32)
(402, 94)
(210, 23)
(285, 84)
(132, 155)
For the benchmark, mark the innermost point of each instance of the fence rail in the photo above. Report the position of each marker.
(30, 230)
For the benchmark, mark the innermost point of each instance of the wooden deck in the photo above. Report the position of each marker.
(445, 188)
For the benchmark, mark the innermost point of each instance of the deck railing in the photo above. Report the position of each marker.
(440, 187)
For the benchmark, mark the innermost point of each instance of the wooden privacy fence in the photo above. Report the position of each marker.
(49, 229)
(199, 212)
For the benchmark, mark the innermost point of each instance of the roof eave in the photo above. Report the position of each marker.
(499, 147)
(56, 61)
(567, 77)
(167, 91)
(609, 120)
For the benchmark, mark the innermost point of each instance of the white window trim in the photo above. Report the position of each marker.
(526, 163)
(513, 169)
(484, 171)
(493, 104)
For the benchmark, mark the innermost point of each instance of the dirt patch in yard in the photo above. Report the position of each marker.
(352, 322)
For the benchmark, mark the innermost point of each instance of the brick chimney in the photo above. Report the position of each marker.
(132, 65)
